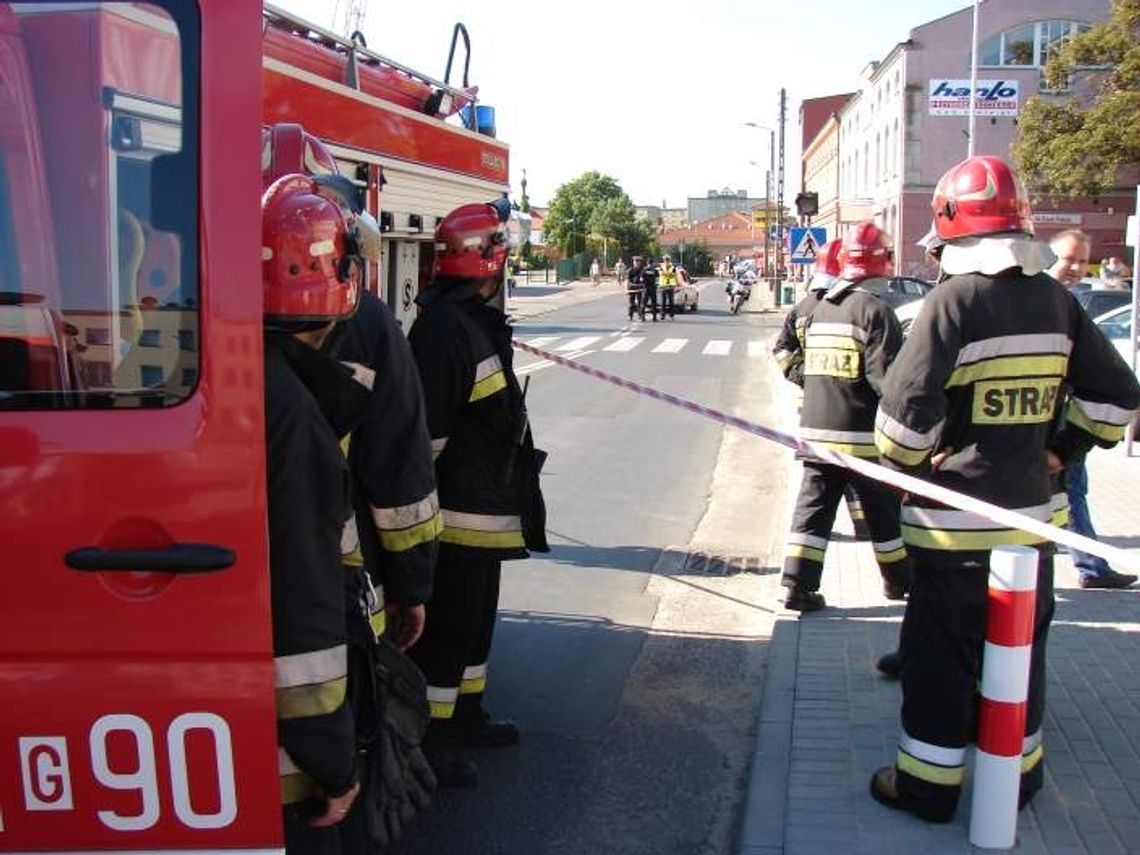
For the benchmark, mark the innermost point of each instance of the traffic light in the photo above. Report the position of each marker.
(807, 204)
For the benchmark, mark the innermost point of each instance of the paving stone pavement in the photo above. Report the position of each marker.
(828, 720)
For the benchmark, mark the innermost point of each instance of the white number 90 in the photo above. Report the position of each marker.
(144, 778)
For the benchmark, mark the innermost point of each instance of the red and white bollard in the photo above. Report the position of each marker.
(1005, 688)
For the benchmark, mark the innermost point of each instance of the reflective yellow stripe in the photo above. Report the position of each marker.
(854, 449)
(1060, 517)
(1043, 365)
(931, 538)
(497, 382)
(891, 557)
(473, 685)
(1028, 761)
(947, 776)
(798, 550)
(898, 453)
(378, 620)
(1102, 430)
(314, 699)
(408, 538)
(442, 709)
(485, 539)
(296, 787)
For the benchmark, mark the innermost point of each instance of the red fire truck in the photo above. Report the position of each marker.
(136, 680)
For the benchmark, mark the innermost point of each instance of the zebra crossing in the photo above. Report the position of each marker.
(624, 342)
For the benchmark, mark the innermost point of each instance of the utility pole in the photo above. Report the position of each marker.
(780, 200)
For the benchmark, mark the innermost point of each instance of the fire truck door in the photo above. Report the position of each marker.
(136, 670)
(403, 280)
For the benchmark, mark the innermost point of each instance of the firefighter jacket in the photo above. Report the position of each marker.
(308, 502)
(484, 457)
(788, 350)
(668, 275)
(980, 378)
(397, 521)
(850, 340)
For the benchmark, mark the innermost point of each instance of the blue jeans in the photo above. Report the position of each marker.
(1077, 487)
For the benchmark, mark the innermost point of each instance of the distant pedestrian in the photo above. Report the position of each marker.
(595, 272)
(1072, 250)
(619, 272)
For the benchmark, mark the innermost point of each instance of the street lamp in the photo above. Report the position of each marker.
(779, 214)
(973, 82)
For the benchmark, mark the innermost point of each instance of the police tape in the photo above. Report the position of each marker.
(908, 483)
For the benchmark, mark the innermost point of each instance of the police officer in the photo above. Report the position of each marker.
(667, 286)
(487, 472)
(305, 252)
(852, 337)
(969, 405)
(788, 350)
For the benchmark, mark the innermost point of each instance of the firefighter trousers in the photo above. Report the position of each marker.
(667, 305)
(942, 641)
(456, 642)
(814, 517)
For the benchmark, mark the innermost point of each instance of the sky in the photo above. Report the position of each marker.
(653, 94)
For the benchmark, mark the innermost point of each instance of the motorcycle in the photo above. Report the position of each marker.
(738, 294)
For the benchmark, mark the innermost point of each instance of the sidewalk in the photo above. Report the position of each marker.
(828, 720)
(539, 298)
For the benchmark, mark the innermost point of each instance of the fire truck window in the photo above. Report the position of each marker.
(105, 280)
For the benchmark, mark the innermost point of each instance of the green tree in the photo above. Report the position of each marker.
(592, 213)
(1075, 145)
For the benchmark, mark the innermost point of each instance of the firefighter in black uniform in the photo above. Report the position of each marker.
(487, 475)
(306, 254)
(969, 405)
(396, 527)
(788, 350)
(635, 288)
(649, 278)
(851, 339)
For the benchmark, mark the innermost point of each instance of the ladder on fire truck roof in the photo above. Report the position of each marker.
(357, 51)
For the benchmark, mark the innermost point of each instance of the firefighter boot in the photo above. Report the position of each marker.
(450, 769)
(473, 725)
(802, 600)
(890, 665)
(885, 790)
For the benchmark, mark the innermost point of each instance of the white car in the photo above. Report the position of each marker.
(907, 312)
(1117, 327)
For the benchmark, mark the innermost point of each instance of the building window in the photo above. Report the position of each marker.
(1029, 45)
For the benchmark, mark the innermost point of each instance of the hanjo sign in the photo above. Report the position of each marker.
(952, 97)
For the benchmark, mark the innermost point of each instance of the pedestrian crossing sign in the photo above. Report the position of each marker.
(806, 243)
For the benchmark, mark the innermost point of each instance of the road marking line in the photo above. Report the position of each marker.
(671, 345)
(717, 347)
(543, 340)
(578, 343)
(757, 347)
(625, 344)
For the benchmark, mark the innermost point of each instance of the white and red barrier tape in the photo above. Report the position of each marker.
(909, 483)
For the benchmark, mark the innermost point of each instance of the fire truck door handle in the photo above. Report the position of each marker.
(176, 558)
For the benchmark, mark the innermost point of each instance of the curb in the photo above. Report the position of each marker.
(765, 805)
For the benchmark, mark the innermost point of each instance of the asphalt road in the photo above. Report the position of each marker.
(632, 654)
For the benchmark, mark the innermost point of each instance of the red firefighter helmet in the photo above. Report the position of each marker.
(827, 262)
(866, 252)
(307, 255)
(980, 196)
(288, 149)
(471, 243)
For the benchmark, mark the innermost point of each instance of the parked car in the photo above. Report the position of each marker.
(686, 296)
(900, 290)
(907, 312)
(1117, 327)
(1102, 301)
